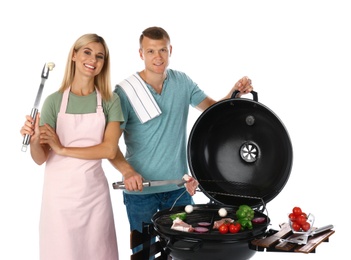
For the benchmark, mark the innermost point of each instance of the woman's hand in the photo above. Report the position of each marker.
(31, 128)
(48, 136)
(38, 152)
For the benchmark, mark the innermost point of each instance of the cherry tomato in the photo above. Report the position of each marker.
(292, 217)
(297, 211)
(234, 227)
(295, 226)
(301, 220)
(223, 229)
(306, 226)
(304, 214)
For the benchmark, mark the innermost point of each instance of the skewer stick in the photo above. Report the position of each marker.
(44, 75)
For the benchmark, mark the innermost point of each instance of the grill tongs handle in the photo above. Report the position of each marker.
(120, 184)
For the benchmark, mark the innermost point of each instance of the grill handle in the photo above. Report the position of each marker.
(254, 95)
(188, 245)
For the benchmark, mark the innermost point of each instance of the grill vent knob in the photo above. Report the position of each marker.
(249, 152)
(250, 120)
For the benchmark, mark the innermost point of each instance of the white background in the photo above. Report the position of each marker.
(297, 54)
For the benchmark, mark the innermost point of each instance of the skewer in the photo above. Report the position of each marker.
(44, 75)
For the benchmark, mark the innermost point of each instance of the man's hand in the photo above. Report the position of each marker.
(244, 85)
(133, 181)
(191, 184)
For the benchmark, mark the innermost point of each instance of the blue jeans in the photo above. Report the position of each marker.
(141, 208)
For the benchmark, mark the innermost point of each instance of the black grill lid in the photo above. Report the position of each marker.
(240, 152)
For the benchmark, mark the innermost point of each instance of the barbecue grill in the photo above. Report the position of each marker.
(241, 153)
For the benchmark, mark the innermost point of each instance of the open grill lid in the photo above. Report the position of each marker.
(240, 152)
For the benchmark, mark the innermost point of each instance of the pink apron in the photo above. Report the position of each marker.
(76, 220)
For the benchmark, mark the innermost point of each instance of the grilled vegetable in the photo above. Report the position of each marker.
(245, 223)
(234, 227)
(245, 214)
(201, 229)
(181, 215)
(189, 208)
(258, 220)
(222, 212)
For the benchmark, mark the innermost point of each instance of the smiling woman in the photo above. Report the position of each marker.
(79, 126)
(298, 55)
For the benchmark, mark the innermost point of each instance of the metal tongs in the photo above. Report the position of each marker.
(44, 75)
(120, 184)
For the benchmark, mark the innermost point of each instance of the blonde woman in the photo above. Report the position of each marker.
(78, 126)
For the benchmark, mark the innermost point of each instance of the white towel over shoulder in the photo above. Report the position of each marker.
(140, 98)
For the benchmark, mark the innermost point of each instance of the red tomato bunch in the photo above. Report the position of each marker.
(298, 220)
(229, 227)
